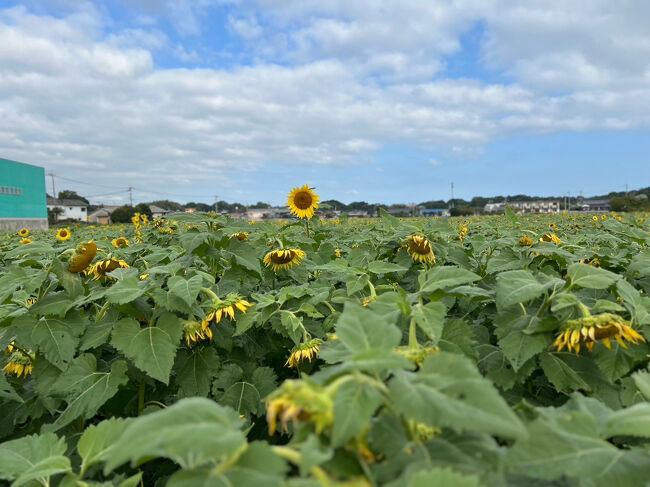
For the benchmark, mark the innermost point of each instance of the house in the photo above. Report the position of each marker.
(69, 209)
(358, 214)
(595, 205)
(538, 206)
(410, 210)
(22, 196)
(434, 212)
(494, 208)
(158, 212)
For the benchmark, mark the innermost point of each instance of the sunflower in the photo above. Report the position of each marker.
(103, 267)
(193, 332)
(120, 242)
(550, 237)
(284, 258)
(63, 234)
(298, 400)
(226, 308)
(30, 301)
(240, 236)
(20, 363)
(83, 256)
(526, 240)
(303, 201)
(304, 351)
(419, 248)
(597, 328)
(26, 241)
(23, 232)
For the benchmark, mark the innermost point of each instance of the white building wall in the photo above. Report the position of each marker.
(78, 213)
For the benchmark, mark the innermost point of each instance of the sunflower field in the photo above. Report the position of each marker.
(206, 351)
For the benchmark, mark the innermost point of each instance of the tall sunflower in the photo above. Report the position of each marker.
(597, 328)
(63, 234)
(103, 267)
(226, 308)
(120, 242)
(303, 201)
(83, 256)
(26, 241)
(304, 351)
(419, 248)
(193, 332)
(281, 259)
(23, 232)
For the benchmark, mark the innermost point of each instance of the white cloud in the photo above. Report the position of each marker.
(354, 76)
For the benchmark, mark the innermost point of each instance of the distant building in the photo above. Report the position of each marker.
(595, 205)
(434, 212)
(22, 196)
(158, 212)
(102, 216)
(539, 206)
(69, 209)
(358, 214)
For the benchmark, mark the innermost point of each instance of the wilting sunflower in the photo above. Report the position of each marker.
(550, 237)
(63, 234)
(20, 363)
(26, 241)
(283, 258)
(23, 232)
(300, 400)
(526, 241)
(193, 332)
(83, 256)
(226, 307)
(120, 242)
(304, 351)
(597, 328)
(419, 248)
(30, 301)
(103, 267)
(303, 201)
(240, 236)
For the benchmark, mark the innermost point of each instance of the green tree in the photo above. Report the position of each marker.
(67, 194)
(123, 214)
(143, 209)
(461, 211)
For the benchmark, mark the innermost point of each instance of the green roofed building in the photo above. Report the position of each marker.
(23, 201)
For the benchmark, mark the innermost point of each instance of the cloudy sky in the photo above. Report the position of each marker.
(377, 100)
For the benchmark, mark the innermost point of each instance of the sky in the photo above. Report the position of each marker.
(379, 100)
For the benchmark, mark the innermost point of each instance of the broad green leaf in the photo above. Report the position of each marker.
(185, 289)
(70, 282)
(8, 392)
(430, 318)
(449, 391)
(381, 267)
(633, 421)
(55, 338)
(446, 477)
(642, 381)
(151, 348)
(519, 347)
(354, 405)
(444, 277)
(517, 287)
(510, 215)
(590, 277)
(86, 389)
(560, 373)
(97, 441)
(35, 457)
(125, 289)
(248, 261)
(54, 304)
(195, 370)
(192, 433)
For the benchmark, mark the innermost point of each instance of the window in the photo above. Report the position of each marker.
(11, 191)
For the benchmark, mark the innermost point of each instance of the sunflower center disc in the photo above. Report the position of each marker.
(284, 258)
(302, 200)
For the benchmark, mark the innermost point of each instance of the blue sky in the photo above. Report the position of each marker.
(382, 101)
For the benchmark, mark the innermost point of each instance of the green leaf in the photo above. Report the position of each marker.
(430, 318)
(97, 441)
(449, 391)
(35, 457)
(516, 287)
(86, 389)
(248, 261)
(125, 290)
(55, 338)
(382, 267)
(54, 304)
(445, 277)
(642, 381)
(560, 373)
(185, 289)
(6, 391)
(511, 216)
(70, 282)
(354, 405)
(195, 370)
(445, 476)
(192, 433)
(586, 276)
(633, 421)
(151, 348)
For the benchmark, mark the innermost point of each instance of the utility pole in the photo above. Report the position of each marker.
(452, 195)
(626, 190)
(53, 187)
(216, 203)
(131, 195)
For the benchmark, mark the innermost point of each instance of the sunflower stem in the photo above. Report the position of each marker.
(373, 292)
(211, 293)
(584, 310)
(102, 312)
(307, 227)
(141, 392)
(413, 339)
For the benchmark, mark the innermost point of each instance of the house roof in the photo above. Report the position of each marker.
(100, 212)
(157, 209)
(58, 202)
(595, 202)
